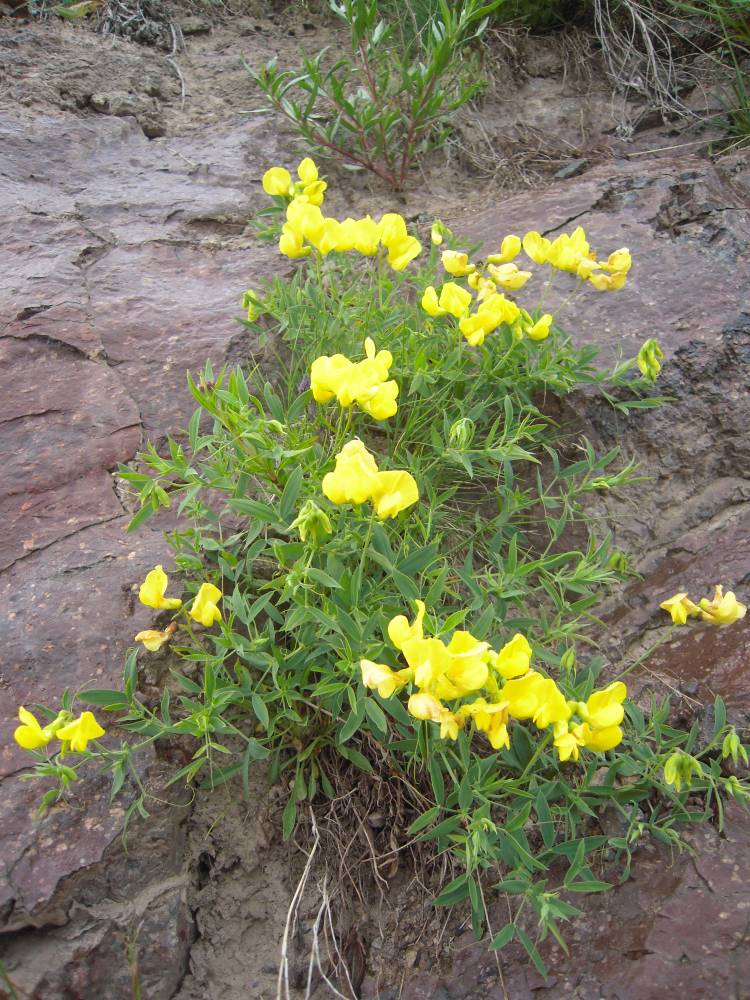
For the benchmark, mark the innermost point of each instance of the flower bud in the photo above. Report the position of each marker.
(312, 523)
(649, 358)
(732, 747)
(462, 433)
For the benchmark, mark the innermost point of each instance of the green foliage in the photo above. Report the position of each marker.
(309, 588)
(392, 98)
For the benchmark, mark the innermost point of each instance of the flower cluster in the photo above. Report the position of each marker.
(365, 383)
(203, 610)
(357, 479)
(73, 734)
(500, 274)
(306, 227)
(722, 609)
(459, 670)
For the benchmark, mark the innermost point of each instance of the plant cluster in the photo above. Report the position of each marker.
(393, 96)
(402, 457)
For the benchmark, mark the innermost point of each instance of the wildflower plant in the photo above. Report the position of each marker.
(375, 569)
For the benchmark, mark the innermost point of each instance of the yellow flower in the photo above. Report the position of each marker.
(514, 658)
(540, 329)
(483, 286)
(362, 235)
(277, 181)
(363, 383)
(399, 629)
(619, 262)
(603, 709)
(327, 375)
(314, 193)
(430, 302)
(509, 249)
(402, 248)
(456, 263)
(489, 718)
(204, 609)
(31, 735)
(153, 589)
(401, 254)
(536, 247)
(430, 661)
(80, 731)
(467, 666)
(382, 678)
(601, 740)
(428, 708)
(305, 220)
(292, 243)
(508, 276)
(536, 697)
(568, 740)
(438, 232)
(724, 609)
(566, 252)
(454, 299)
(608, 282)
(327, 236)
(586, 268)
(393, 492)
(154, 639)
(680, 607)
(493, 311)
(307, 171)
(354, 477)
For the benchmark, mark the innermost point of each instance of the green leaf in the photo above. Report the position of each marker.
(424, 820)
(358, 759)
(531, 951)
(261, 709)
(720, 715)
(589, 886)
(323, 578)
(455, 891)
(351, 725)
(289, 818)
(505, 936)
(112, 701)
(376, 716)
(289, 496)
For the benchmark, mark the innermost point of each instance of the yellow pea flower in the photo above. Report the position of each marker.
(493, 311)
(307, 171)
(603, 709)
(430, 302)
(540, 329)
(454, 299)
(392, 228)
(723, 609)
(204, 609)
(601, 740)
(508, 276)
(467, 666)
(382, 678)
(438, 232)
(327, 375)
(362, 235)
(586, 268)
(153, 589)
(305, 219)
(354, 476)
(608, 282)
(399, 629)
(382, 403)
(277, 181)
(456, 263)
(490, 718)
(430, 661)
(80, 731)
(536, 247)
(680, 768)
(567, 251)
(292, 243)
(314, 193)
(620, 261)
(327, 236)
(428, 708)
(680, 607)
(400, 255)
(514, 658)
(30, 735)
(393, 492)
(154, 639)
(536, 697)
(568, 740)
(482, 285)
(509, 249)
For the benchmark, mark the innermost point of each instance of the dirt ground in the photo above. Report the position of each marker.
(211, 901)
